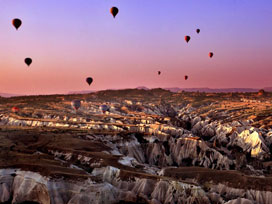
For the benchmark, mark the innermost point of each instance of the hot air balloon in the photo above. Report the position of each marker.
(185, 77)
(89, 80)
(159, 72)
(261, 92)
(114, 11)
(28, 61)
(211, 54)
(197, 30)
(76, 104)
(16, 23)
(187, 38)
(15, 109)
(104, 108)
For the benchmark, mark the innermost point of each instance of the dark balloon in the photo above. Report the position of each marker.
(159, 72)
(28, 61)
(114, 11)
(89, 80)
(211, 54)
(187, 38)
(76, 104)
(16, 23)
(185, 77)
(104, 108)
(198, 30)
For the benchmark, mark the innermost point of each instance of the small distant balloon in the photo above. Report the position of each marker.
(15, 109)
(89, 80)
(76, 104)
(187, 38)
(104, 108)
(211, 54)
(114, 11)
(16, 23)
(159, 72)
(28, 61)
(185, 77)
(198, 31)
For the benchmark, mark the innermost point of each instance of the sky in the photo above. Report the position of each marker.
(69, 40)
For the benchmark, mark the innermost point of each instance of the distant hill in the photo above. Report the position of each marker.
(268, 89)
(204, 89)
(142, 87)
(172, 89)
(80, 92)
(209, 90)
(7, 95)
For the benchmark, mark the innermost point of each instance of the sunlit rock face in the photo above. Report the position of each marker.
(22, 187)
(141, 150)
(19, 187)
(252, 142)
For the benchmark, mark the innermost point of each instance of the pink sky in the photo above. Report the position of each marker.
(70, 41)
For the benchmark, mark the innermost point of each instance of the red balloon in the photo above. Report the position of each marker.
(185, 77)
(187, 38)
(15, 109)
(211, 54)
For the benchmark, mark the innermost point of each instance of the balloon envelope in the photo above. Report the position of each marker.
(16, 23)
(159, 72)
(198, 30)
(185, 77)
(104, 108)
(89, 80)
(76, 104)
(211, 54)
(187, 38)
(114, 11)
(15, 109)
(28, 61)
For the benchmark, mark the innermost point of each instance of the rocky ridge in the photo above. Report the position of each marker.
(143, 153)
